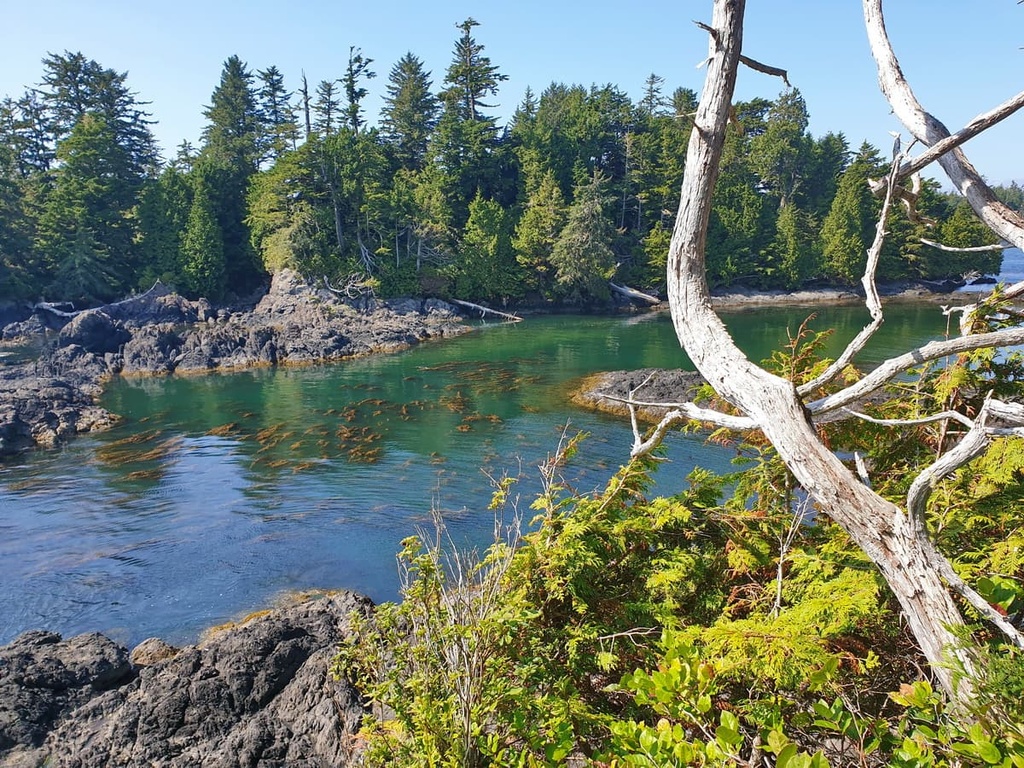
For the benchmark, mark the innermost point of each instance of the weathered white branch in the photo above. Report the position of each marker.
(981, 123)
(871, 299)
(927, 129)
(486, 310)
(939, 562)
(975, 249)
(944, 416)
(894, 366)
(765, 69)
(971, 445)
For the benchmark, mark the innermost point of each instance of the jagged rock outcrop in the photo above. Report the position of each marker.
(660, 385)
(256, 694)
(160, 333)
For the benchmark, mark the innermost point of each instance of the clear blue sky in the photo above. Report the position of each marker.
(961, 57)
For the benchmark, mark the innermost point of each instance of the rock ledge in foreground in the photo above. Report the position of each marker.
(254, 694)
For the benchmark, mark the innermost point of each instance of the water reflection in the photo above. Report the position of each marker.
(216, 493)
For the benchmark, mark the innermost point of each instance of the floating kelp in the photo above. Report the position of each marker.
(224, 430)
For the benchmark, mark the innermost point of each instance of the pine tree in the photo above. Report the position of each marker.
(74, 86)
(410, 112)
(487, 268)
(358, 69)
(279, 130)
(848, 229)
(326, 108)
(471, 77)
(582, 256)
(202, 248)
(537, 231)
(89, 211)
(230, 156)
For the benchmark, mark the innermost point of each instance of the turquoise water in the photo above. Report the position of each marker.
(216, 494)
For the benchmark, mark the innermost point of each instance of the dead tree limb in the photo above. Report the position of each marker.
(974, 249)
(486, 310)
(881, 529)
(633, 293)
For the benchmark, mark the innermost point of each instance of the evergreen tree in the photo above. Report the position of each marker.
(653, 102)
(279, 130)
(780, 155)
(230, 156)
(231, 138)
(742, 218)
(829, 158)
(465, 145)
(582, 256)
(162, 213)
(203, 267)
(537, 231)
(358, 69)
(74, 86)
(409, 113)
(848, 229)
(326, 108)
(487, 267)
(471, 77)
(87, 216)
(793, 255)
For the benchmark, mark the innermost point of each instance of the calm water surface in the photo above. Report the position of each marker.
(219, 493)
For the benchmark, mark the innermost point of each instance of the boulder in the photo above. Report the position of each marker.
(94, 331)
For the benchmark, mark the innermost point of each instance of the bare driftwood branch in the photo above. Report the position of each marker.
(633, 293)
(355, 285)
(51, 306)
(871, 299)
(975, 249)
(486, 310)
(979, 124)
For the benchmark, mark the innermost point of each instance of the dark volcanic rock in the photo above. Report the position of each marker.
(94, 331)
(160, 333)
(254, 694)
(652, 385)
(43, 679)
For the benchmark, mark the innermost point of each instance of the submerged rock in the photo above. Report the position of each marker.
(258, 693)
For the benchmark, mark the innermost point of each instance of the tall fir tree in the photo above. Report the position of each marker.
(279, 131)
(358, 69)
(203, 258)
(582, 256)
(409, 113)
(230, 156)
(848, 229)
(88, 215)
(471, 77)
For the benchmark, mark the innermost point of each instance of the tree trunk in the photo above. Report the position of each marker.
(880, 528)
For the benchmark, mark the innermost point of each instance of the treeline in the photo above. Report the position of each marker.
(436, 199)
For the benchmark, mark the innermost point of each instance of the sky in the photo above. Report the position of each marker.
(961, 58)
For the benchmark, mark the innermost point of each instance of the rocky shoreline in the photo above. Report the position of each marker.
(48, 400)
(258, 694)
